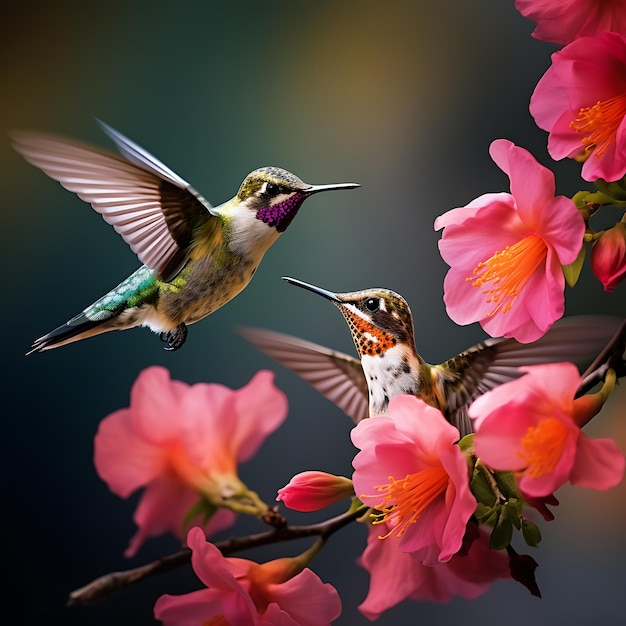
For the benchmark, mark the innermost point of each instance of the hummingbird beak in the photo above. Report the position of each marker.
(316, 188)
(329, 295)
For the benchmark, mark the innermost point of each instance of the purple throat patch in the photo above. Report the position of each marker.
(280, 215)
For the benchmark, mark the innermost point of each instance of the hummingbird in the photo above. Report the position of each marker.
(196, 257)
(389, 364)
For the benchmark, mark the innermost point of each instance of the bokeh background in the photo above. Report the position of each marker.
(403, 97)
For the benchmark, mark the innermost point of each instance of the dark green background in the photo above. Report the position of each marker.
(403, 97)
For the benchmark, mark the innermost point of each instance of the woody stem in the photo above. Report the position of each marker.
(110, 583)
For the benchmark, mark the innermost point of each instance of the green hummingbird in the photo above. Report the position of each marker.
(389, 364)
(195, 257)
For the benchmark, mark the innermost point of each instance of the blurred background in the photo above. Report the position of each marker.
(402, 97)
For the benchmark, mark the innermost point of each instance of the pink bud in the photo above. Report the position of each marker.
(311, 491)
(608, 256)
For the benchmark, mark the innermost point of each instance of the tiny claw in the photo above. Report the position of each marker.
(174, 338)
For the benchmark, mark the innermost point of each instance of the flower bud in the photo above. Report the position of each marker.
(311, 491)
(608, 256)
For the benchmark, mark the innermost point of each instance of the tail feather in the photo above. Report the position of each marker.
(77, 328)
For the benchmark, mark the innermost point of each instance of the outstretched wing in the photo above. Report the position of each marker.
(152, 208)
(577, 339)
(337, 376)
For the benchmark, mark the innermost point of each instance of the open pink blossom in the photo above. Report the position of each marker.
(505, 251)
(608, 256)
(410, 469)
(581, 102)
(531, 426)
(396, 576)
(311, 491)
(562, 21)
(183, 443)
(239, 591)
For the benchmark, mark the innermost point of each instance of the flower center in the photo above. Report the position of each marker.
(542, 446)
(508, 271)
(598, 124)
(404, 500)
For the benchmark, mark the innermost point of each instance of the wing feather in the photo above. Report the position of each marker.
(577, 339)
(337, 376)
(152, 208)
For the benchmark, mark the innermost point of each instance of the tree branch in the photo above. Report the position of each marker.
(612, 357)
(107, 585)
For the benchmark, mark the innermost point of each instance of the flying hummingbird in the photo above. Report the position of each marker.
(381, 324)
(196, 257)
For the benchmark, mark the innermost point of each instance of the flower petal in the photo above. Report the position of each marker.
(599, 463)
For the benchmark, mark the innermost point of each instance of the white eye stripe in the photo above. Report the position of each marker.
(356, 311)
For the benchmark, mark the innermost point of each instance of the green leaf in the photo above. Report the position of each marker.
(572, 271)
(531, 533)
(467, 442)
(486, 514)
(507, 484)
(481, 488)
(201, 507)
(502, 534)
(614, 191)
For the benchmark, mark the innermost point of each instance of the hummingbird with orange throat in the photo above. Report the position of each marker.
(389, 364)
(196, 257)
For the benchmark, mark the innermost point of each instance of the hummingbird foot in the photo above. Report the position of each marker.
(174, 338)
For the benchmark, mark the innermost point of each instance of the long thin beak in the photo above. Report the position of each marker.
(329, 295)
(316, 188)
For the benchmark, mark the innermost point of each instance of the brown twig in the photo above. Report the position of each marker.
(612, 357)
(109, 584)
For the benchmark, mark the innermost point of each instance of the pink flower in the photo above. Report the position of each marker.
(505, 251)
(531, 426)
(396, 575)
(608, 256)
(311, 491)
(411, 471)
(563, 21)
(240, 591)
(183, 443)
(581, 102)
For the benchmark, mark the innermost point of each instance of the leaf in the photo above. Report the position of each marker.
(481, 488)
(531, 533)
(522, 568)
(502, 534)
(486, 514)
(572, 271)
(201, 507)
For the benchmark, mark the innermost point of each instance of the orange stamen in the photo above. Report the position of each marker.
(598, 124)
(542, 446)
(508, 271)
(404, 500)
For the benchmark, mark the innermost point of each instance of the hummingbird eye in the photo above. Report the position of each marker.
(372, 304)
(272, 189)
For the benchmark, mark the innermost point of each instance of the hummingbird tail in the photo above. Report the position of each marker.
(76, 329)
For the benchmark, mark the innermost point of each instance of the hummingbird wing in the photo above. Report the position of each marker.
(337, 376)
(463, 378)
(152, 208)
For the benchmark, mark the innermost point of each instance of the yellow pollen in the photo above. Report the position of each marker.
(508, 271)
(404, 500)
(598, 124)
(542, 446)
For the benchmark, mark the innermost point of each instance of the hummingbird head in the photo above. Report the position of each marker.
(379, 319)
(275, 195)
